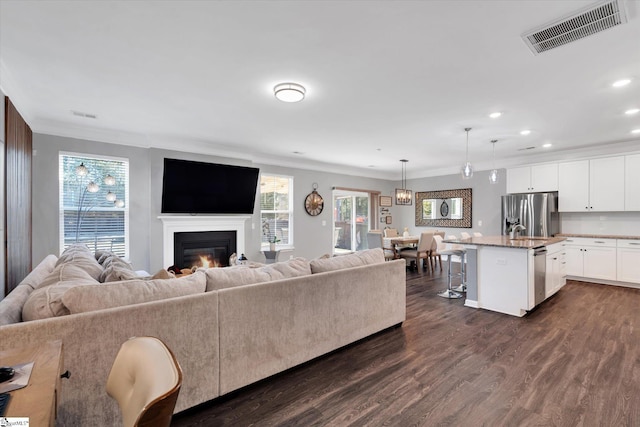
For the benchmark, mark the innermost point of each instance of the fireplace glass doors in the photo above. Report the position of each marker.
(203, 248)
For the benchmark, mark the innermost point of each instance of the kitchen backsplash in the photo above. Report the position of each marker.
(609, 223)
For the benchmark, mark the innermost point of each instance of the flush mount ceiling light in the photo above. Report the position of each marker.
(467, 169)
(547, 145)
(289, 92)
(635, 131)
(632, 111)
(495, 115)
(621, 83)
(525, 132)
(493, 175)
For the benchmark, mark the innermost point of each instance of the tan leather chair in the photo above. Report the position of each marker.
(375, 240)
(145, 380)
(422, 251)
(437, 248)
(390, 232)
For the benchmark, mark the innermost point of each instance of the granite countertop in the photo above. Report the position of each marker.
(599, 236)
(506, 242)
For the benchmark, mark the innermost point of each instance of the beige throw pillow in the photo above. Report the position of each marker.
(81, 299)
(46, 302)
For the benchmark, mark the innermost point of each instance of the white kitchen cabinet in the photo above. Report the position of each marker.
(628, 256)
(591, 258)
(632, 182)
(556, 269)
(595, 185)
(538, 178)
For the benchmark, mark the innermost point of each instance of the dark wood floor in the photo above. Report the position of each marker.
(574, 361)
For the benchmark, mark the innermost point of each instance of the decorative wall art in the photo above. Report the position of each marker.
(445, 208)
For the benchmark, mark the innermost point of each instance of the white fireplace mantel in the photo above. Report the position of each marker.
(172, 224)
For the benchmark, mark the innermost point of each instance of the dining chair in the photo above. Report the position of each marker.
(375, 240)
(465, 235)
(436, 249)
(422, 252)
(390, 232)
(477, 234)
(145, 380)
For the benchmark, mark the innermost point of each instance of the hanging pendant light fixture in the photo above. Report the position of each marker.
(467, 169)
(493, 175)
(403, 195)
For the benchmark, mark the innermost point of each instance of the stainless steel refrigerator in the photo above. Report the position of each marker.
(537, 212)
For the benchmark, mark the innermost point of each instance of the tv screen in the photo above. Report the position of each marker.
(190, 187)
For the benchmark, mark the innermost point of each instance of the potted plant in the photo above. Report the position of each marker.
(272, 243)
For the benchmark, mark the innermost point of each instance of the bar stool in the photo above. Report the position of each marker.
(447, 293)
(463, 264)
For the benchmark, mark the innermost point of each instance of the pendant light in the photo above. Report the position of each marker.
(467, 169)
(403, 195)
(493, 175)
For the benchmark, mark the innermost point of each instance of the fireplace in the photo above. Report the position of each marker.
(175, 224)
(203, 248)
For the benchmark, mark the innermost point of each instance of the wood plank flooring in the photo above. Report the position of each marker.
(574, 361)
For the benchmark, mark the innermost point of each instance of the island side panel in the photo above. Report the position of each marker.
(503, 279)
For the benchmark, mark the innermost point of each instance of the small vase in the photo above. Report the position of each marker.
(272, 247)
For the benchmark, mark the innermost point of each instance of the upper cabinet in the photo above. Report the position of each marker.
(527, 179)
(596, 185)
(632, 182)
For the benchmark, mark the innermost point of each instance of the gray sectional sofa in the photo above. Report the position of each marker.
(228, 327)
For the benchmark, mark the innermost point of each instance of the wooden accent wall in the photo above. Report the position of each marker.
(18, 146)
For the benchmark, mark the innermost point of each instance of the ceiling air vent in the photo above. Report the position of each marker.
(578, 25)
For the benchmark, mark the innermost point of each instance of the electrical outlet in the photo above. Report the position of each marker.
(480, 223)
(324, 223)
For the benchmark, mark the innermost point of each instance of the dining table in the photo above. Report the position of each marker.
(396, 242)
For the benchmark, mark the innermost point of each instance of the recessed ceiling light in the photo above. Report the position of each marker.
(621, 83)
(635, 131)
(525, 132)
(547, 145)
(495, 115)
(289, 92)
(632, 111)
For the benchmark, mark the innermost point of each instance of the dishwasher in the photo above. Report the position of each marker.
(540, 274)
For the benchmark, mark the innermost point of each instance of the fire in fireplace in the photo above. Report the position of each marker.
(203, 248)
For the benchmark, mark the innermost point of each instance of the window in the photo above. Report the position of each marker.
(276, 209)
(351, 220)
(94, 200)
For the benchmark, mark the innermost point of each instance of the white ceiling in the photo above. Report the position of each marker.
(385, 80)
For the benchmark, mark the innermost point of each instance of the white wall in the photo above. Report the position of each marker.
(609, 223)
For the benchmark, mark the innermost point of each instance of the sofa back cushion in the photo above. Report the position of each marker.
(228, 277)
(366, 257)
(46, 301)
(80, 299)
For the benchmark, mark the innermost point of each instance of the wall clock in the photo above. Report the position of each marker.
(314, 203)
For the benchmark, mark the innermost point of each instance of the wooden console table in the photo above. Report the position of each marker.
(38, 400)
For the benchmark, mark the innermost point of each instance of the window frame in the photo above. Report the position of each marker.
(290, 211)
(125, 198)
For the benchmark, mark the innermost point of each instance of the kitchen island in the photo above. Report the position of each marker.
(512, 276)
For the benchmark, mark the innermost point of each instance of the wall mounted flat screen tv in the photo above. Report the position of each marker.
(190, 187)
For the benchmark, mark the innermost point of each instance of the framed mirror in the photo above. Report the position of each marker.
(445, 208)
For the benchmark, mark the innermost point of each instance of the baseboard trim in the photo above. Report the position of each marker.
(471, 303)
